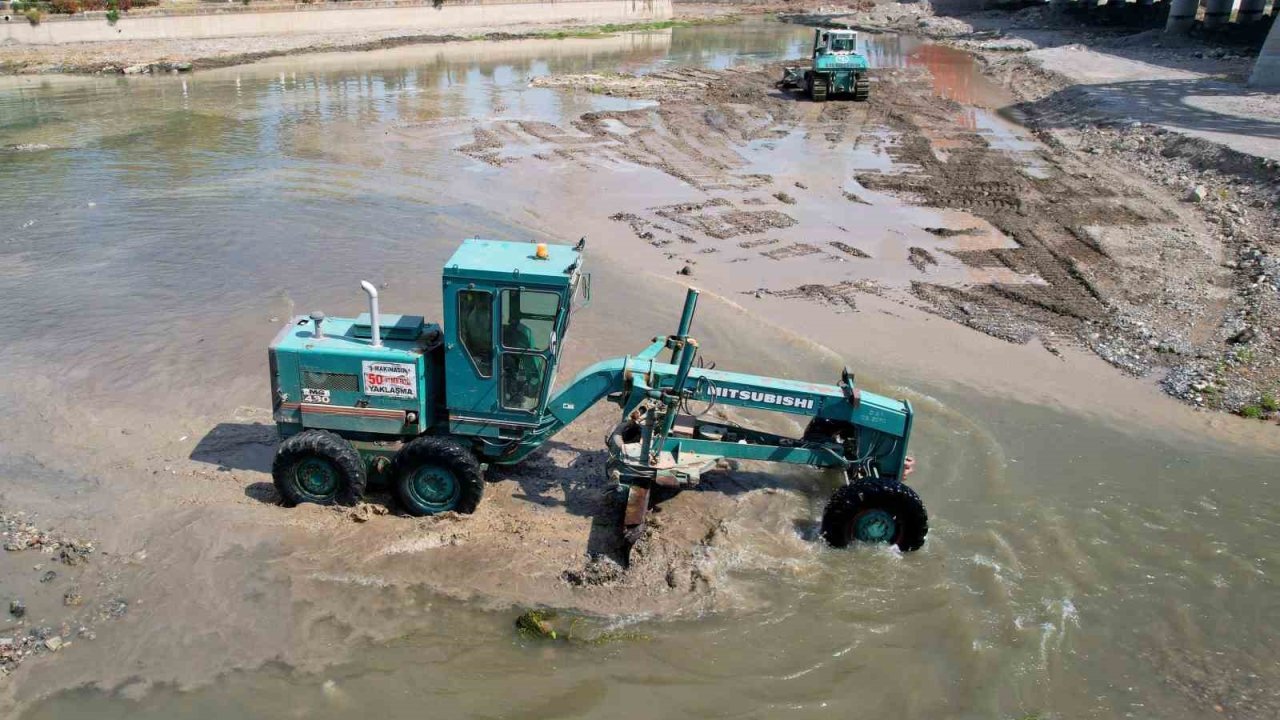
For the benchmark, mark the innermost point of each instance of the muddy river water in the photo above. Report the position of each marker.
(1104, 553)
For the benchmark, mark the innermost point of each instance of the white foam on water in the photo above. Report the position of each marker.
(348, 579)
(987, 562)
(801, 673)
(1048, 631)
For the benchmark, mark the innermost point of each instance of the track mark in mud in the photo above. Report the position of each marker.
(1071, 285)
(484, 147)
(703, 118)
(792, 250)
(1062, 275)
(666, 83)
(645, 230)
(718, 218)
(833, 122)
(951, 232)
(848, 249)
(841, 295)
(921, 259)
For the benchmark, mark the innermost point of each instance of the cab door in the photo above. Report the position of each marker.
(471, 356)
(528, 320)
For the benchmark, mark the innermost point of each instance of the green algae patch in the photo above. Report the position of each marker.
(536, 625)
(550, 625)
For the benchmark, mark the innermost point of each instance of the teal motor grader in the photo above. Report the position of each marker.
(429, 406)
(837, 68)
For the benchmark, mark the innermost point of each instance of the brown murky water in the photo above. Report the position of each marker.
(1078, 566)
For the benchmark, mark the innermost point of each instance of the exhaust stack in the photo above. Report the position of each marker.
(375, 327)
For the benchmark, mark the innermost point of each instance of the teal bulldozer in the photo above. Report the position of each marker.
(837, 68)
(429, 406)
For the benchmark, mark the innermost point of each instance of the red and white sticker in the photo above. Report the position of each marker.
(390, 379)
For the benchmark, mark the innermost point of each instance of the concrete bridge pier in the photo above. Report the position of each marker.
(1182, 15)
(1250, 11)
(1266, 71)
(1217, 12)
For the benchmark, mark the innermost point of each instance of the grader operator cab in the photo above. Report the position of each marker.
(428, 405)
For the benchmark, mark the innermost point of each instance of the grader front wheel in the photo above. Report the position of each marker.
(876, 510)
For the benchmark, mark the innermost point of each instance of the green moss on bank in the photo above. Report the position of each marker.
(541, 625)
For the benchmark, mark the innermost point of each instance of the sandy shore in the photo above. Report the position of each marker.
(148, 56)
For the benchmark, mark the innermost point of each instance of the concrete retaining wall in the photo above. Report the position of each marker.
(308, 19)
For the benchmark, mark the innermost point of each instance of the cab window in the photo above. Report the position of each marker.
(528, 318)
(522, 375)
(475, 328)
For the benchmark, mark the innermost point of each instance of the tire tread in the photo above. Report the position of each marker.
(329, 446)
(440, 451)
(906, 506)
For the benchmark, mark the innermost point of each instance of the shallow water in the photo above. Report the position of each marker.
(1076, 567)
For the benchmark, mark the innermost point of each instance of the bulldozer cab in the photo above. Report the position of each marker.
(834, 41)
(507, 309)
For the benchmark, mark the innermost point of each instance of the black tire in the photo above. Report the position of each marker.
(317, 466)
(875, 506)
(436, 474)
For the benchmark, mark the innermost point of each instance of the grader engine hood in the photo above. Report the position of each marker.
(329, 374)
